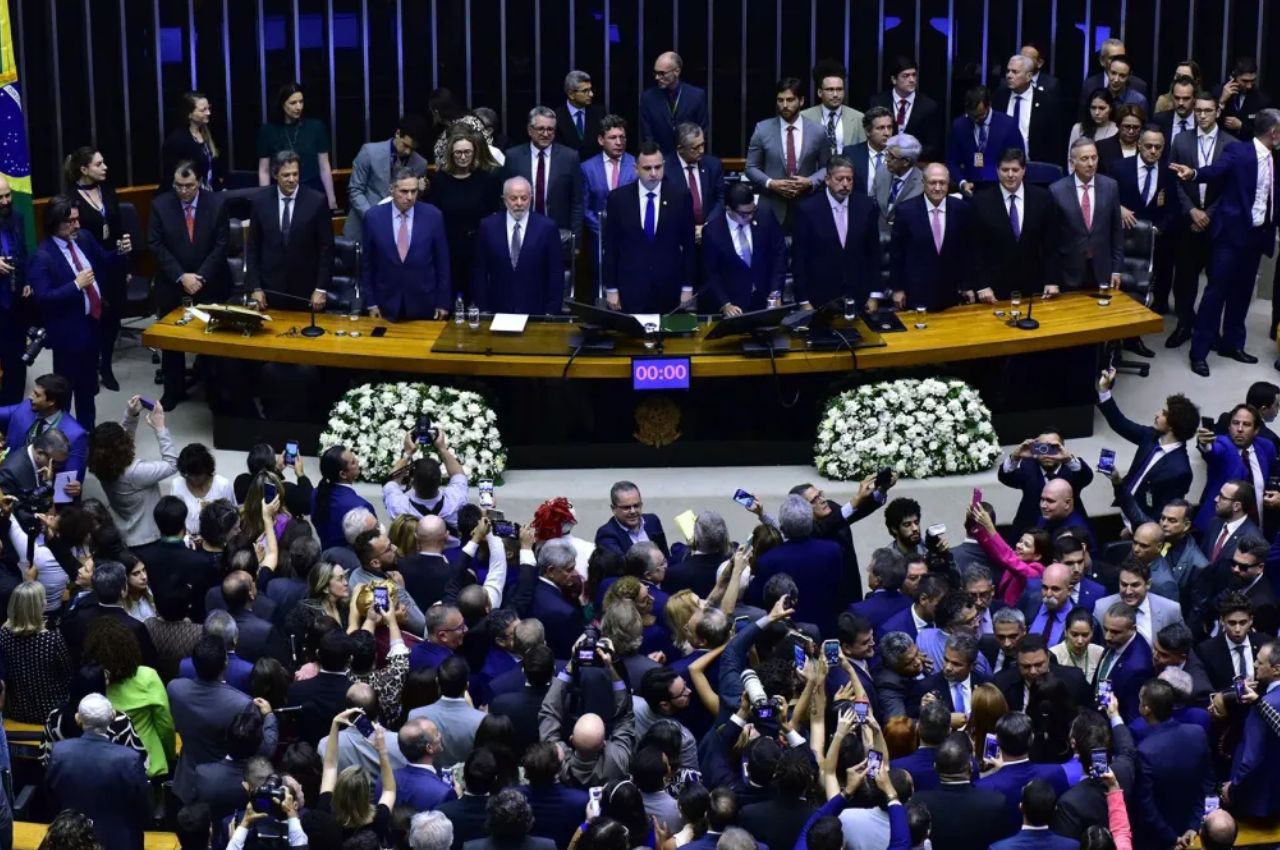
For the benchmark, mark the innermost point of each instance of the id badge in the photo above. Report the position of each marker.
(977, 159)
(1160, 198)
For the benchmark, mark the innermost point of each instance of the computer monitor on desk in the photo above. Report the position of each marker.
(598, 325)
(762, 328)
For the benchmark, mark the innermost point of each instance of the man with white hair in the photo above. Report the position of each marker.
(556, 596)
(900, 179)
(103, 780)
(1034, 109)
(430, 831)
(518, 264)
(816, 566)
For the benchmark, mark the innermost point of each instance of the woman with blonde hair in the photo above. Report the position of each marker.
(328, 595)
(38, 666)
(404, 534)
(624, 626)
(988, 706)
(632, 588)
(347, 793)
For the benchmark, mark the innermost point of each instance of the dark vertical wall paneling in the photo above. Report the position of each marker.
(364, 61)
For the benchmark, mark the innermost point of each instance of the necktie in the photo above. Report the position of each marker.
(1222, 541)
(842, 223)
(1182, 126)
(1047, 631)
(90, 291)
(1086, 208)
(38, 428)
(1146, 184)
(982, 136)
(191, 221)
(286, 220)
(579, 123)
(1014, 224)
(831, 133)
(1108, 661)
(937, 228)
(1248, 467)
(540, 185)
(694, 193)
(744, 245)
(957, 698)
(1271, 190)
(791, 151)
(893, 192)
(902, 114)
(1241, 669)
(650, 228)
(613, 178)
(402, 236)
(1017, 110)
(875, 169)
(515, 245)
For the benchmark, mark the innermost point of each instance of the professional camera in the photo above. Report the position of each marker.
(35, 344)
(588, 650)
(268, 800)
(424, 432)
(764, 712)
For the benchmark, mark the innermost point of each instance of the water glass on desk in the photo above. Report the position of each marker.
(1015, 299)
(850, 309)
(921, 324)
(473, 317)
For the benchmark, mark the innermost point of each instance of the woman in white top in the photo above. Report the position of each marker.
(199, 483)
(48, 572)
(132, 486)
(1076, 649)
(1097, 121)
(137, 599)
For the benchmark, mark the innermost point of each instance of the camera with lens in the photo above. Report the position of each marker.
(28, 503)
(35, 344)
(424, 432)
(268, 799)
(588, 651)
(764, 712)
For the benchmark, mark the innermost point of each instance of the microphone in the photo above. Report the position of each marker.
(693, 300)
(1027, 323)
(310, 330)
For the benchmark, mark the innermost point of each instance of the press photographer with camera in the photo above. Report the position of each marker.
(270, 818)
(414, 485)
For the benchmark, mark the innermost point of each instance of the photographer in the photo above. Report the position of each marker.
(734, 659)
(1036, 462)
(34, 556)
(253, 831)
(594, 758)
(414, 485)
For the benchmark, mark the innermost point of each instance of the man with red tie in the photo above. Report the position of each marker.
(553, 170)
(63, 275)
(699, 173)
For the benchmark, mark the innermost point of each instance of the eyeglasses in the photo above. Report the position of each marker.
(1208, 110)
(628, 508)
(1244, 568)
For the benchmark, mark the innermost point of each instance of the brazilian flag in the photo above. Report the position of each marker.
(15, 155)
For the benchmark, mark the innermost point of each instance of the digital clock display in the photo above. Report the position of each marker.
(660, 373)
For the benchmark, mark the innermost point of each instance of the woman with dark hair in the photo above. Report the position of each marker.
(1096, 119)
(498, 733)
(138, 600)
(1130, 118)
(190, 140)
(171, 630)
(289, 130)
(1026, 560)
(339, 471)
(70, 830)
(297, 497)
(421, 688)
(622, 801)
(694, 803)
(85, 173)
(132, 486)
(133, 688)
(1077, 648)
(199, 483)
(299, 552)
(1051, 708)
(270, 681)
(467, 187)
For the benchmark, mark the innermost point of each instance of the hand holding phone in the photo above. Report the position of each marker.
(831, 652)
(1106, 462)
(990, 747)
(742, 497)
(874, 761)
(290, 453)
(146, 403)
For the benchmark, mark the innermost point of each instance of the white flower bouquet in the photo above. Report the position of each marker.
(371, 420)
(918, 428)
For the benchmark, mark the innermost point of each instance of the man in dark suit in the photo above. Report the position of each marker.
(744, 255)
(523, 705)
(868, 156)
(555, 806)
(933, 727)
(836, 248)
(1174, 649)
(577, 118)
(555, 597)
(27, 467)
(1243, 231)
(258, 637)
(919, 614)
(1127, 661)
(419, 783)
(978, 140)
(518, 264)
(915, 114)
(964, 817)
(15, 298)
(929, 254)
(187, 234)
(290, 243)
(629, 524)
(1034, 663)
(508, 825)
(324, 694)
(1233, 651)
(670, 103)
(1178, 120)
(404, 270)
(108, 588)
(787, 153)
(1090, 236)
(898, 681)
(1081, 589)
(171, 566)
(101, 779)
(1253, 790)
(1229, 524)
(1174, 762)
(649, 257)
(1085, 804)
(63, 275)
(1246, 577)
(1029, 469)
(885, 576)
(553, 171)
(1199, 204)
(1012, 229)
(953, 684)
(1016, 770)
(699, 173)
(814, 564)
(1033, 109)
(468, 812)
(1035, 802)
(220, 785)
(1107, 51)
(1241, 98)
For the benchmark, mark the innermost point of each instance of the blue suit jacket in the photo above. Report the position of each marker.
(1223, 464)
(920, 765)
(12, 230)
(1173, 760)
(422, 789)
(1030, 602)
(426, 655)
(1169, 479)
(1036, 839)
(105, 782)
(237, 675)
(648, 274)
(1236, 172)
(536, 285)
(732, 281)
(61, 302)
(17, 419)
(901, 622)
(344, 499)
(1255, 784)
(823, 269)
(916, 267)
(595, 186)
(1164, 209)
(1127, 675)
(710, 184)
(613, 536)
(562, 620)
(879, 605)
(1187, 715)
(556, 811)
(415, 287)
(1029, 477)
(816, 566)
(1009, 780)
(658, 120)
(1002, 134)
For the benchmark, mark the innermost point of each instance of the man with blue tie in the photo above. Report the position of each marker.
(1049, 617)
(979, 139)
(929, 252)
(670, 103)
(64, 279)
(518, 264)
(405, 270)
(15, 298)
(1254, 789)
(1243, 230)
(953, 684)
(648, 242)
(836, 247)
(1127, 661)
(744, 254)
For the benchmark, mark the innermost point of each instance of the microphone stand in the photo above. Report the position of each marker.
(1027, 323)
(311, 330)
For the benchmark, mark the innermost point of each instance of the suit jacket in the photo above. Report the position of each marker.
(201, 713)
(1029, 838)
(648, 274)
(587, 145)
(564, 186)
(177, 254)
(659, 115)
(775, 822)
(1163, 210)
(925, 121)
(1164, 611)
(105, 782)
(218, 787)
(931, 277)
(422, 788)
(1030, 477)
(879, 605)
(62, 303)
(426, 577)
(882, 188)
(1085, 804)
(596, 188)
(696, 572)
(530, 842)
(816, 566)
(468, 815)
(1220, 660)
(1128, 672)
(1166, 120)
(1111, 155)
(412, 288)
(370, 182)
(555, 810)
(1266, 614)
(1236, 174)
(1222, 464)
(899, 696)
(1105, 238)
(457, 722)
(303, 265)
(903, 621)
(1010, 779)
(1186, 151)
(767, 160)
(17, 421)
(1216, 577)
(1042, 143)
(965, 817)
(1009, 681)
(1169, 478)
(863, 172)
(1255, 789)
(1088, 594)
(320, 698)
(849, 130)
(823, 269)
(962, 148)
(937, 683)
(919, 763)
(172, 566)
(1173, 760)
(613, 536)
(536, 285)
(522, 707)
(259, 638)
(729, 278)
(76, 625)
(562, 619)
(710, 182)
(1002, 262)
(1254, 102)
(343, 499)
(1099, 81)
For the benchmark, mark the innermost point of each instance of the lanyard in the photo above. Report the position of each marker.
(1206, 156)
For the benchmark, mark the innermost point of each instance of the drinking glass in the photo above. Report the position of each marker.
(473, 317)
(1015, 298)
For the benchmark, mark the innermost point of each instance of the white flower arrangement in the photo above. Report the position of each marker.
(371, 420)
(918, 428)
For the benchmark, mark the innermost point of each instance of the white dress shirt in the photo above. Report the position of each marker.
(1255, 476)
(65, 248)
(1143, 168)
(1235, 658)
(524, 229)
(293, 208)
(740, 233)
(546, 168)
(1206, 144)
(1161, 451)
(872, 167)
(1262, 192)
(897, 104)
(1024, 114)
(1021, 194)
(684, 177)
(837, 209)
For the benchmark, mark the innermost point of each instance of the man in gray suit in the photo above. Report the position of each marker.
(1090, 235)
(900, 179)
(842, 124)
(787, 154)
(452, 714)
(353, 747)
(371, 171)
(1153, 612)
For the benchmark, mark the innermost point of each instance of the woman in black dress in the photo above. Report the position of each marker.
(467, 189)
(192, 141)
(86, 174)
